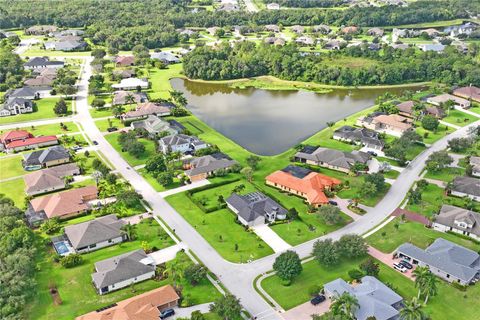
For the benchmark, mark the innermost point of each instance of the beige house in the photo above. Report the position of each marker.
(392, 124)
(446, 97)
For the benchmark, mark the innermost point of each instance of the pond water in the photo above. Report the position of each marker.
(269, 122)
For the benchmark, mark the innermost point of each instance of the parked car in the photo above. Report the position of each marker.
(95, 142)
(399, 267)
(76, 148)
(112, 129)
(317, 300)
(372, 153)
(406, 264)
(333, 203)
(167, 313)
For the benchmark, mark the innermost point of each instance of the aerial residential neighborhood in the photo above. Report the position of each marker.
(240, 159)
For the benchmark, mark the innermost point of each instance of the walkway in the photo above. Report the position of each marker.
(467, 111)
(190, 186)
(448, 124)
(271, 238)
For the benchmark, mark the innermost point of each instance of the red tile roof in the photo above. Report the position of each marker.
(30, 141)
(14, 135)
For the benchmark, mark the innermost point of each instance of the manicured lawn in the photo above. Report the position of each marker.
(432, 199)
(392, 174)
(11, 167)
(133, 161)
(442, 131)
(44, 111)
(101, 113)
(445, 174)
(103, 125)
(49, 129)
(14, 189)
(74, 285)
(155, 184)
(475, 109)
(459, 118)
(209, 198)
(159, 79)
(221, 231)
(413, 232)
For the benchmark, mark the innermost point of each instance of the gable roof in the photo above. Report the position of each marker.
(48, 178)
(334, 157)
(120, 268)
(15, 135)
(406, 106)
(470, 92)
(209, 163)
(31, 141)
(254, 205)
(148, 108)
(394, 120)
(364, 135)
(119, 97)
(23, 92)
(94, 231)
(42, 61)
(448, 215)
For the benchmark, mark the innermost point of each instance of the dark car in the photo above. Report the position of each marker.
(167, 313)
(406, 264)
(372, 153)
(333, 203)
(317, 300)
(95, 142)
(112, 129)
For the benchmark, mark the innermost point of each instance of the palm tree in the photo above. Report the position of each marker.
(412, 311)
(129, 99)
(430, 289)
(97, 175)
(344, 306)
(174, 269)
(130, 231)
(421, 277)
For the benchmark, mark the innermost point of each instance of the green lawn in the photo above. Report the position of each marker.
(431, 137)
(159, 79)
(11, 167)
(49, 129)
(101, 113)
(459, 118)
(44, 111)
(221, 231)
(412, 232)
(74, 285)
(133, 161)
(103, 125)
(392, 174)
(155, 184)
(86, 162)
(15, 190)
(445, 174)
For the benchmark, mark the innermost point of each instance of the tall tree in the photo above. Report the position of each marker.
(288, 266)
(345, 306)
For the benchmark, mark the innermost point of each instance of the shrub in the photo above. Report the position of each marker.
(355, 274)
(72, 260)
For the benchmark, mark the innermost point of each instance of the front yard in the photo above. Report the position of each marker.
(132, 160)
(459, 118)
(44, 111)
(446, 174)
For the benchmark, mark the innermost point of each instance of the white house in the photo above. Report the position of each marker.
(131, 84)
(458, 220)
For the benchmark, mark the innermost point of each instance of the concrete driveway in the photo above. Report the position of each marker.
(305, 311)
(271, 238)
(167, 254)
(187, 312)
(387, 258)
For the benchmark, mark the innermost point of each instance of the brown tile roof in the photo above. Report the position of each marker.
(125, 60)
(470, 92)
(47, 178)
(313, 185)
(141, 307)
(394, 120)
(406, 107)
(147, 108)
(65, 203)
(39, 81)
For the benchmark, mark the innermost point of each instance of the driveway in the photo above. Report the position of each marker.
(343, 205)
(190, 186)
(167, 254)
(187, 312)
(305, 311)
(271, 238)
(387, 259)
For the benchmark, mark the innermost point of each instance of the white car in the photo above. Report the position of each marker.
(399, 267)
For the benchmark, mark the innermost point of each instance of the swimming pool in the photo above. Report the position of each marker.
(63, 248)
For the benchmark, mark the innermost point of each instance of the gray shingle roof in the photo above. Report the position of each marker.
(209, 163)
(467, 185)
(42, 61)
(91, 232)
(335, 157)
(121, 268)
(22, 93)
(40, 157)
(254, 205)
(449, 214)
(363, 135)
(446, 256)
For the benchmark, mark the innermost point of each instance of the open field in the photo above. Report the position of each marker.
(11, 167)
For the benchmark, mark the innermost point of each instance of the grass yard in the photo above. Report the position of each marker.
(221, 231)
(14, 189)
(445, 174)
(44, 111)
(133, 161)
(459, 118)
(74, 285)
(104, 124)
(431, 136)
(392, 174)
(49, 129)
(100, 113)
(160, 80)
(11, 167)
(86, 162)
(413, 232)
(155, 184)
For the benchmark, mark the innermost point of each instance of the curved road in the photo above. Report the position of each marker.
(239, 278)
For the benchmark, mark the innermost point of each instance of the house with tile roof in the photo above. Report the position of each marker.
(180, 143)
(143, 110)
(333, 159)
(122, 97)
(153, 125)
(50, 179)
(63, 205)
(146, 306)
(458, 220)
(18, 140)
(122, 271)
(446, 97)
(95, 234)
(202, 167)
(392, 124)
(304, 183)
(375, 299)
(125, 61)
(469, 93)
(445, 259)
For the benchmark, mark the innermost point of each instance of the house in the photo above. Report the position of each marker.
(436, 47)
(406, 108)
(124, 74)
(333, 159)
(305, 41)
(444, 98)
(322, 28)
(466, 187)
(131, 84)
(333, 45)
(400, 46)
(470, 93)
(273, 6)
(375, 299)
(445, 259)
(63, 205)
(392, 124)
(14, 106)
(203, 167)
(125, 61)
(41, 30)
(49, 179)
(177, 126)
(375, 32)
(188, 32)
(359, 136)
(475, 164)
(228, 7)
(458, 220)
(39, 81)
(272, 28)
(304, 183)
(297, 29)
(122, 271)
(255, 209)
(23, 93)
(275, 41)
(95, 234)
(18, 140)
(466, 28)
(45, 158)
(66, 45)
(153, 125)
(213, 30)
(180, 143)
(69, 32)
(435, 111)
(146, 306)
(146, 109)
(123, 97)
(165, 57)
(47, 72)
(42, 62)
(349, 30)
(431, 32)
